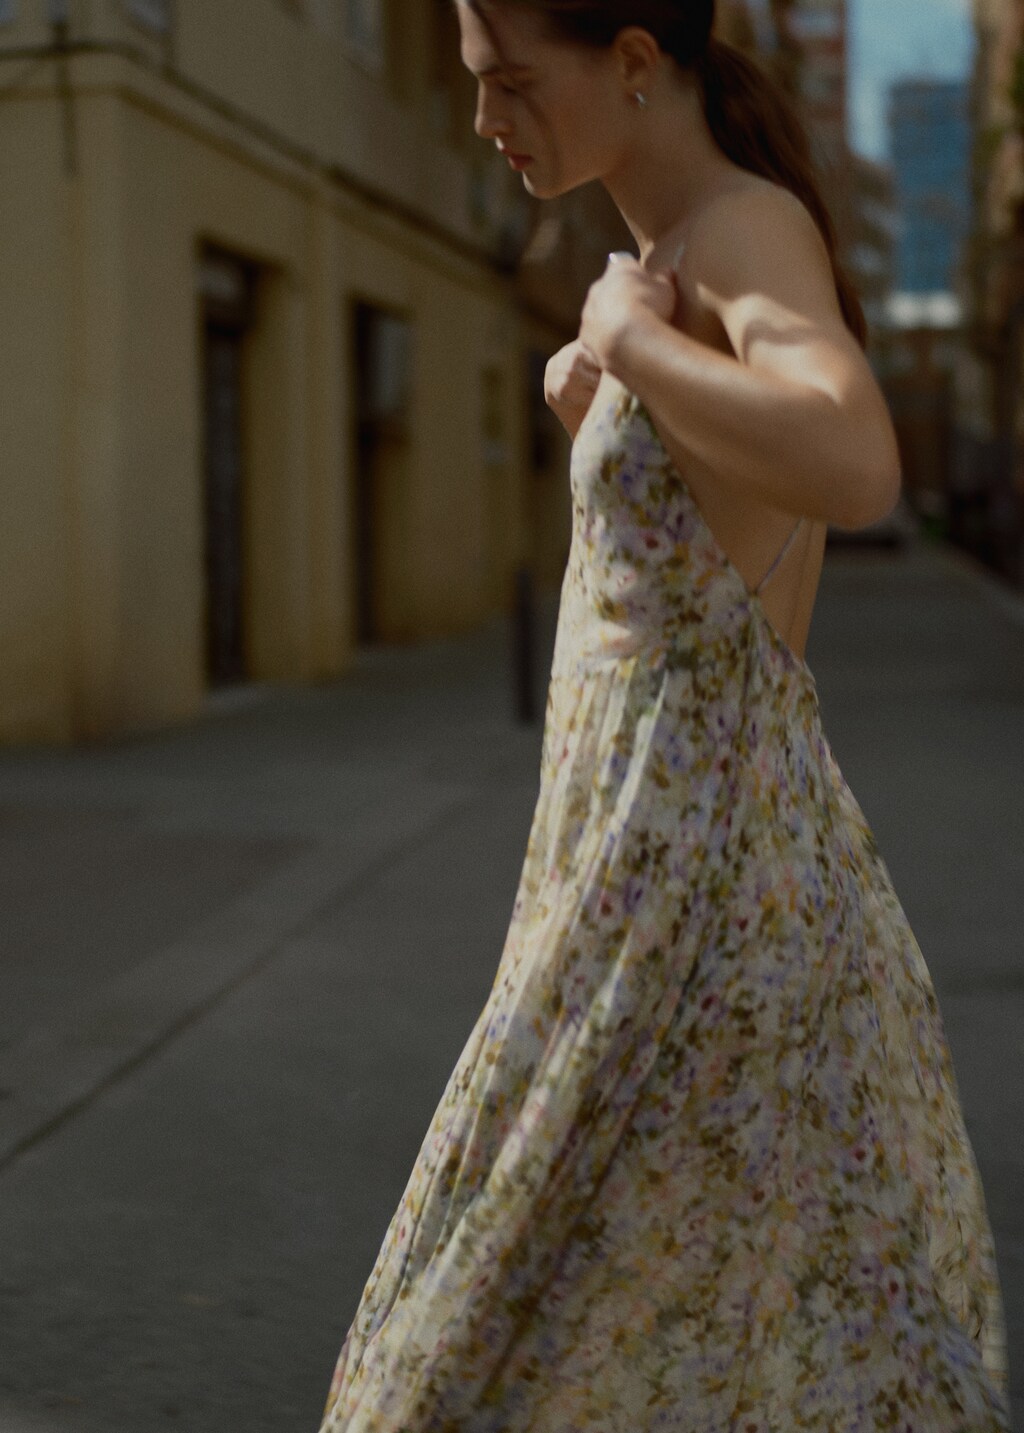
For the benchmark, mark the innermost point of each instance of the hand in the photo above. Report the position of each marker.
(570, 382)
(625, 294)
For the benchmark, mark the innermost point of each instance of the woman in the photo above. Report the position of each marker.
(701, 1165)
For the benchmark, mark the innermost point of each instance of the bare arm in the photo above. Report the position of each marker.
(797, 419)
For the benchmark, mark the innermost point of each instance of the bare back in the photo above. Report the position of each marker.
(749, 532)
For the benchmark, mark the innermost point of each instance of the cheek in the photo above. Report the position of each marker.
(582, 124)
(568, 128)
(562, 126)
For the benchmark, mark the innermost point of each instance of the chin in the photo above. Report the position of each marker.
(549, 190)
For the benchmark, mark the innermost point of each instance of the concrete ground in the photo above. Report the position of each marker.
(240, 959)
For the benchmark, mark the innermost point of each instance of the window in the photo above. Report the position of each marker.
(8, 11)
(825, 24)
(363, 26)
(384, 348)
(452, 87)
(153, 14)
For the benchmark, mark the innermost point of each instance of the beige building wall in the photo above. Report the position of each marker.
(255, 131)
(344, 168)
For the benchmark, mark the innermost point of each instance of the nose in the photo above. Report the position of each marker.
(488, 123)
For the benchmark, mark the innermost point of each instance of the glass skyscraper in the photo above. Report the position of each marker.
(929, 142)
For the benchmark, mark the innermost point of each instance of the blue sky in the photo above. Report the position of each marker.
(889, 38)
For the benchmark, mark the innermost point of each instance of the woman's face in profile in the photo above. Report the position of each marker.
(557, 105)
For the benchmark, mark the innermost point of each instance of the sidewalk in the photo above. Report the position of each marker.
(242, 957)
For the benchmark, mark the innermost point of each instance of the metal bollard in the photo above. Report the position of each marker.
(523, 625)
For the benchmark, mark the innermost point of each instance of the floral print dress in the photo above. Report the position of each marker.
(701, 1165)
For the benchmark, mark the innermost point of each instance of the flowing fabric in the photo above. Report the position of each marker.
(701, 1165)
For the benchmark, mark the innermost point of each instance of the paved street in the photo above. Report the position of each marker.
(241, 958)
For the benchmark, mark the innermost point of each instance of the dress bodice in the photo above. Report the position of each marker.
(645, 572)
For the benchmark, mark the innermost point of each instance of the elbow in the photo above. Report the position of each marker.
(872, 489)
(871, 498)
(870, 480)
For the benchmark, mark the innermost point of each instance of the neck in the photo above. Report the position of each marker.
(656, 196)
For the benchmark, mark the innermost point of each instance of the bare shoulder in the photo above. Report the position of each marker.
(760, 264)
(759, 237)
(746, 212)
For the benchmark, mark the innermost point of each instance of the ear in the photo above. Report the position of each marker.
(638, 54)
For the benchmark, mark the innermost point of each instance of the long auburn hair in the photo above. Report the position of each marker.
(750, 116)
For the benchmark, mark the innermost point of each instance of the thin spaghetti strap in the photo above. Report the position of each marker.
(786, 545)
(785, 548)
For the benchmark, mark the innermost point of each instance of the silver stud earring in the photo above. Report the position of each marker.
(640, 99)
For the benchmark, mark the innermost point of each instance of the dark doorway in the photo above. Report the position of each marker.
(382, 364)
(226, 286)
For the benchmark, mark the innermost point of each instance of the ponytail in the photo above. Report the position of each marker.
(754, 123)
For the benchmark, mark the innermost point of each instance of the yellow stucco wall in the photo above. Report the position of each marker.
(102, 608)
(36, 426)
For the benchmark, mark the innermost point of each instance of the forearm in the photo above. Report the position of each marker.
(787, 444)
